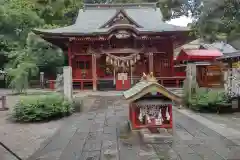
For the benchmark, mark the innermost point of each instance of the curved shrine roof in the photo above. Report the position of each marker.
(148, 18)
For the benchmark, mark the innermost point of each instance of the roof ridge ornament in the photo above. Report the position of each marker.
(148, 78)
(120, 5)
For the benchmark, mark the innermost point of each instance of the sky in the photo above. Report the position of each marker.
(182, 21)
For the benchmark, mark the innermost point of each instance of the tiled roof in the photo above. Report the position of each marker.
(230, 55)
(137, 88)
(221, 46)
(90, 19)
(144, 87)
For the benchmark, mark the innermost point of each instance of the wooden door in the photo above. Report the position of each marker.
(83, 67)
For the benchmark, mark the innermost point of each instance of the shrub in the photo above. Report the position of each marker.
(41, 108)
(212, 100)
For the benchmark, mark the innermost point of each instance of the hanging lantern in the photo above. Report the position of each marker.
(135, 59)
(138, 57)
(118, 63)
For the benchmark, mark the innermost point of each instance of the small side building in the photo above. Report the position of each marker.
(150, 104)
(208, 72)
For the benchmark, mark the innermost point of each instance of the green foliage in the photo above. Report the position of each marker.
(212, 100)
(44, 54)
(19, 77)
(41, 108)
(219, 20)
(19, 17)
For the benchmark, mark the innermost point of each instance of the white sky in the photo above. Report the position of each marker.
(182, 21)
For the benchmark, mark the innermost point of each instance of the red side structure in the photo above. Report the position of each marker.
(198, 55)
(193, 56)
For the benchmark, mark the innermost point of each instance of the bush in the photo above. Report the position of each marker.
(42, 108)
(212, 100)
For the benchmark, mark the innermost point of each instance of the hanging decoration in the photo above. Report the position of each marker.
(122, 62)
(154, 114)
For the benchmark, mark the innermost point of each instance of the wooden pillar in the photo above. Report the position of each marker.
(94, 72)
(150, 60)
(70, 53)
(172, 56)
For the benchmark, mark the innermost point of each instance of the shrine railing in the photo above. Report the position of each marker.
(170, 82)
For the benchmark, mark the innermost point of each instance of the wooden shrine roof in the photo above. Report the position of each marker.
(90, 21)
(147, 85)
(198, 55)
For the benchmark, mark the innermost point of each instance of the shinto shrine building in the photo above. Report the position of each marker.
(111, 45)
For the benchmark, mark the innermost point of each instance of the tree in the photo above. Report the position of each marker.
(219, 20)
(26, 52)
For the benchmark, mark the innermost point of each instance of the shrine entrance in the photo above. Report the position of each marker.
(122, 65)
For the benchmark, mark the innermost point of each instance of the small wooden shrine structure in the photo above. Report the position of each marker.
(110, 45)
(150, 104)
(208, 72)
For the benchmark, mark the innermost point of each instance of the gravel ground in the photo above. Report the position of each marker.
(24, 139)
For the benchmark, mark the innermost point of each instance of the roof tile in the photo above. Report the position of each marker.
(89, 21)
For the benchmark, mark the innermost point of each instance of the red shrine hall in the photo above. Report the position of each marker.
(111, 45)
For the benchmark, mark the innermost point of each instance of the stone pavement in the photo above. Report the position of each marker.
(101, 134)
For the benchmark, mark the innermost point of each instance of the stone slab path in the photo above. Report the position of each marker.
(101, 134)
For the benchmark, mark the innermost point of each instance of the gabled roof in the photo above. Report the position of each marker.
(148, 85)
(192, 45)
(94, 16)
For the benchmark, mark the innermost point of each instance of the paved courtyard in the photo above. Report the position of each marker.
(101, 134)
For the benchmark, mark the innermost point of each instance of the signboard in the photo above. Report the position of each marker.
(233, 81)
(122, 76)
